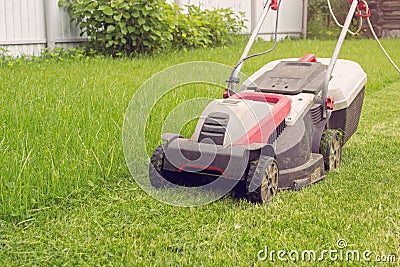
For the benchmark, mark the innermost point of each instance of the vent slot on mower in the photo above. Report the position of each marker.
(316, 114)
(214, 128)
(347, 119)
(277, 132)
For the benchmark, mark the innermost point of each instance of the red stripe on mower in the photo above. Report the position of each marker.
(198, 168)
(262, 131)
(308, 58)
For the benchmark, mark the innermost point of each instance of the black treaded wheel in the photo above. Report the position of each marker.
(265, 185)
(331, 148)
(157, 176)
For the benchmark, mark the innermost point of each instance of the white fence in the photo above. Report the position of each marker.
(28, 26)
(292, 16)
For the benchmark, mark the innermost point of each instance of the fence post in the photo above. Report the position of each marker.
(305, 16)
(51, 21)
(180, 3)
(254, 14)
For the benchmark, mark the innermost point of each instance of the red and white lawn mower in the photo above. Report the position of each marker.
(283, 129)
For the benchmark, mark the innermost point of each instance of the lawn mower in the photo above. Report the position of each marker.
(283, 128)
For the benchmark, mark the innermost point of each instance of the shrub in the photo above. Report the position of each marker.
(121, 26)
(125, 27)
(203, 28)
(320, 23)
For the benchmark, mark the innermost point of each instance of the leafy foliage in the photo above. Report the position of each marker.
(205, 28)
(320, 22)
(46, 55)
(125, 27)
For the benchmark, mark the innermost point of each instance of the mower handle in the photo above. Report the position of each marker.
(336, 52)
(233, 80)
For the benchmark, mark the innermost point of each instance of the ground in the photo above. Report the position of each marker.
(67, 197)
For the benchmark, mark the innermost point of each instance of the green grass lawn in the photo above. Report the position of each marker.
(67, 197)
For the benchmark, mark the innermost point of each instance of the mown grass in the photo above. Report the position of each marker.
(67, 196)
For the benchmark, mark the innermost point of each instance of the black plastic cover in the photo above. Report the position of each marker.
(291, 78)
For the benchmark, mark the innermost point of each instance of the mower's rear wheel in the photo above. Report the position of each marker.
(158, 177)
(331, 148)
(262, 186)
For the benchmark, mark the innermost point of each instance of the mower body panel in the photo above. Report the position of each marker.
(348, 79)
(183, 155)
(224, 121)
(347, 87)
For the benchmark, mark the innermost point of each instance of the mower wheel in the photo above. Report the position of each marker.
(331, 148)
(157, 175)
(262, 186)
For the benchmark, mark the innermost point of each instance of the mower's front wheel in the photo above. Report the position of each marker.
(158, 177)
(262, 180)
(331, 148)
